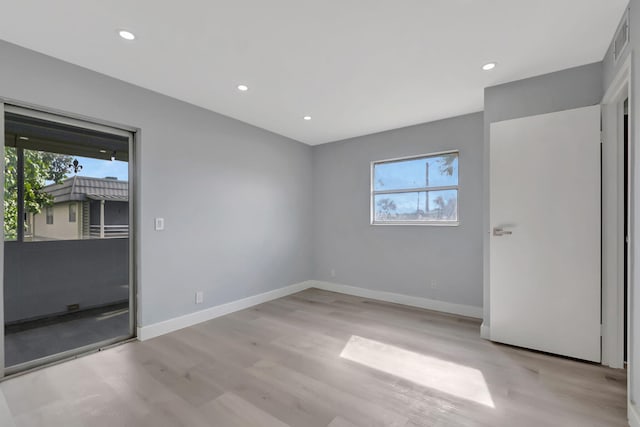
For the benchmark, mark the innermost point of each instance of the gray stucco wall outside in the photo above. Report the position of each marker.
(42, 278)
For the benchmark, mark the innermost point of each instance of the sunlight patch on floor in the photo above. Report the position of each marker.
(451, 378)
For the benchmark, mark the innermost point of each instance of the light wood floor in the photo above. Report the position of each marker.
(319, 359)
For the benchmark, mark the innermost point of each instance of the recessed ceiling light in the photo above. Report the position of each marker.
(127, 35)
(24, 138)
(243, 88)
(489, 66)
(307, 118)
(103, 151)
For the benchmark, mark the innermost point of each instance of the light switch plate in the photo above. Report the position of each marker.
(159, 224)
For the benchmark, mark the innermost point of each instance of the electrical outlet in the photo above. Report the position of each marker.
(199, 297)
(159, 224)
(333, 272)
(434, 284)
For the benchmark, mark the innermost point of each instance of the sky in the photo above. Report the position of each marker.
(413, 174)
(98, 168)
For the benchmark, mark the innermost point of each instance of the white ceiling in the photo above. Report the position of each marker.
(355, 66)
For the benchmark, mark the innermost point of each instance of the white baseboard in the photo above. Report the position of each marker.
(634, 417)
(164, 327)
(429, 304)
(485, 332)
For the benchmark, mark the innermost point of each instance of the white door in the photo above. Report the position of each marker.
(545, 233)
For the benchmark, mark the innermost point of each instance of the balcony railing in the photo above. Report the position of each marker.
(109, 232)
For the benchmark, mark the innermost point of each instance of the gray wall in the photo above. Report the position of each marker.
(399, 259)
(42, 278)
(562, 90)
(235, 198)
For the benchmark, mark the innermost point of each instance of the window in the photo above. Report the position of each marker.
(49, 214)
(415, 190)
(72, 212)
(55, 169)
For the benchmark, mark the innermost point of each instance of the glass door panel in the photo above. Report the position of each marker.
(67, 249)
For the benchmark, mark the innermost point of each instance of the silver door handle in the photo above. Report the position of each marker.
(501, 232)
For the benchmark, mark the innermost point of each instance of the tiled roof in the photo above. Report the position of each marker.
(81, 188)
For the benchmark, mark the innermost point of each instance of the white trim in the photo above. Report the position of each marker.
(618, 83)
(429, 223)
(485, 331)
(634, 417)
(429, 304)
(417, 156)
(166, 326)
(417, 190)
(613, 217)
(170, 325)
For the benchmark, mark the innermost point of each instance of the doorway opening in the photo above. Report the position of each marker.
(625, 237)
(67, 281)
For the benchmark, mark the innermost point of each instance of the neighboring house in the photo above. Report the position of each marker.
(83, 208)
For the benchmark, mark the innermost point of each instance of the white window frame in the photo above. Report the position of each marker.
(373, 193)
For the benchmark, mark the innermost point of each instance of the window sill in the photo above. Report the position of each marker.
(432, 224)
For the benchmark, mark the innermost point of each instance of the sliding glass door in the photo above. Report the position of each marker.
(67, 281)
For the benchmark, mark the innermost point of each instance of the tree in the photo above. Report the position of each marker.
(386, 206)
(439, 202)
(446, 163)
(40, 168)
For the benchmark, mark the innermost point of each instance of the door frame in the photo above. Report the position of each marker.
(2, 167)
(613, 217)
(133, 134)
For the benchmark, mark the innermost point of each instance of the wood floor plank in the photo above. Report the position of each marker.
(287, 407)
(317, 359)
(242, 412)
(6, 417)
(351, 406)
(341, 422)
